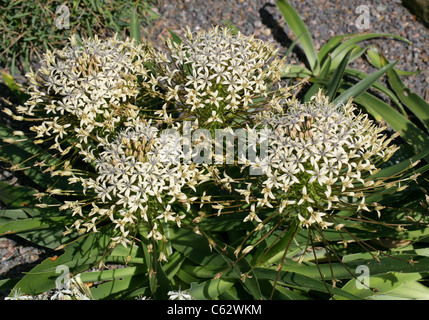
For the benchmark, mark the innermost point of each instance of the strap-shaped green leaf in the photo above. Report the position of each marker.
(297, 280)
(300, 30)
(210, 289)
(416, 137)
(383, 283)
(135, 26)
(362, 85)
(334, 82)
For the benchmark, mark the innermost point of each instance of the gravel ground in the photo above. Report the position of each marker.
(323, 19)
(262, 19)
(17, 255)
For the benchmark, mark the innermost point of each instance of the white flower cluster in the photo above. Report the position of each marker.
(85, 90)
(215, 75)
(93, 97)
(317, 154)
(140, 174)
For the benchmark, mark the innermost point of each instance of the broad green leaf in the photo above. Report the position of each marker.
(121, 288)
(414, 102)
(210, 289)
(173, 265)
(41, 226)
(297, 280)
(287, 294)
(193, 246)
(361, 86)
(225, 263)
(375, 59)
(23, 152)
(51, 237)
(14, 87)
(357, 52)
(379, 231)
(78, 256)
(332, 43)
(279, 247)
(186, 277)
(16, 196)
(226, 223)
(142, 292)
(378, 86)
(123, 281)
(175, 37)
(207, 270)
(14, 214)
(231, 294)
(23, 198)
(409, 131)
(382, 284)
(300, 30)
(294, 71)
(398, 263)
(407, 291)
(339, 52)
(112, 274)
(30, 224)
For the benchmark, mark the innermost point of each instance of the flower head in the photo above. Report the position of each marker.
(215, 75)
(318, 155)
(85, 90)
(140, 173)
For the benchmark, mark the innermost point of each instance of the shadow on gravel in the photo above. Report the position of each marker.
(17, 269)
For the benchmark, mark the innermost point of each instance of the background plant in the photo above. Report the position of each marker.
(29, 27)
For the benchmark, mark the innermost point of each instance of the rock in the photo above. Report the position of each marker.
(420, 8)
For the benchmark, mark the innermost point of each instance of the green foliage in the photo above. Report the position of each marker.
(285, 261)
(29, 27)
